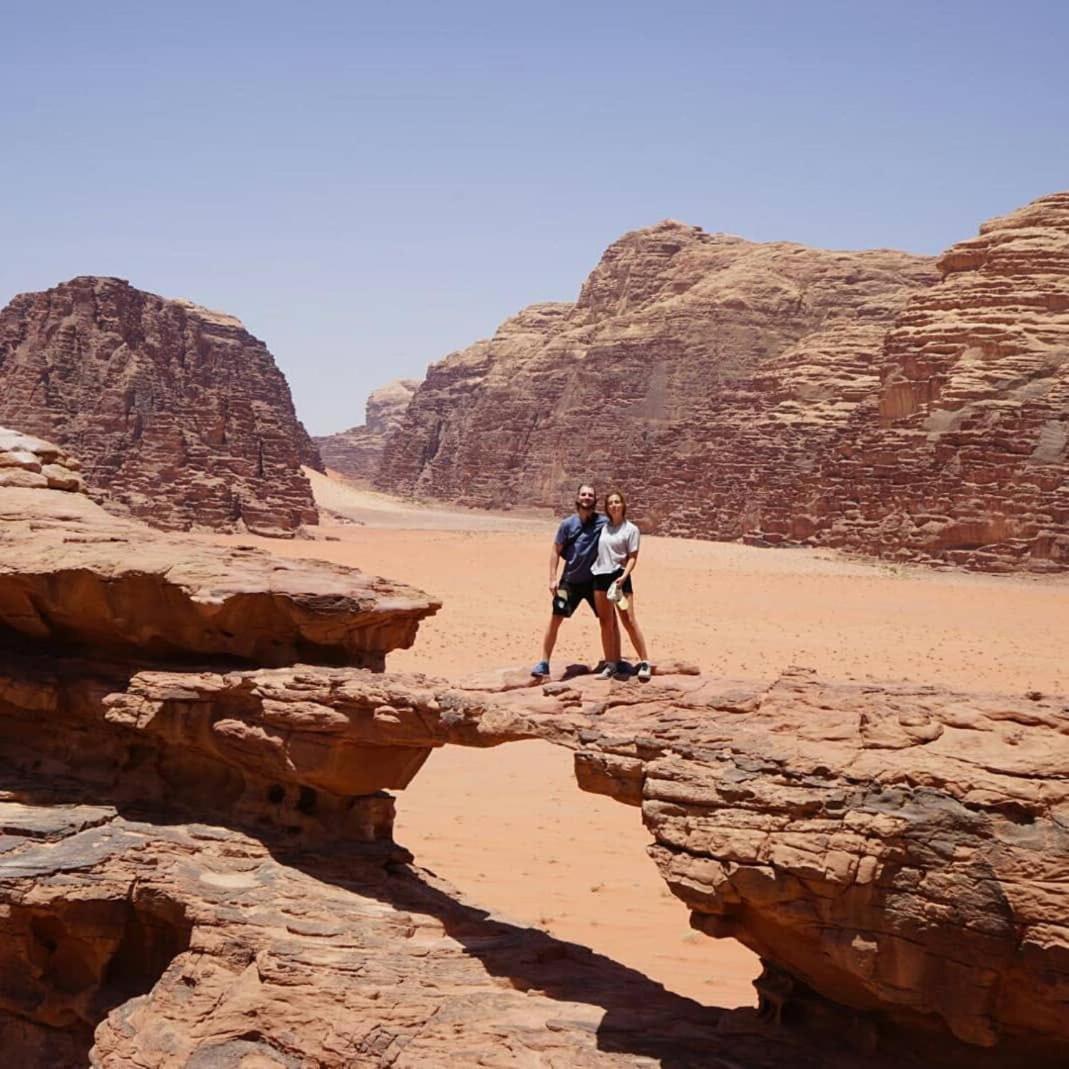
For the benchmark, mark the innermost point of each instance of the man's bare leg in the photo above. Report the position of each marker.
(549, 640)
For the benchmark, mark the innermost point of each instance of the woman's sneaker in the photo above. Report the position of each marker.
(540, 670)
(608, 670)
(644, 671)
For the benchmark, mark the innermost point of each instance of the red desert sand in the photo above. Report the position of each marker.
(510, 828)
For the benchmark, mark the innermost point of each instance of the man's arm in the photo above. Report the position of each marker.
(554, 565)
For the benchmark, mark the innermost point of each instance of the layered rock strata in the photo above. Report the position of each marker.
(199, 946)
(962, 455)
(179, 416)
(784, 395)
(31, 463)
(130, 938)
(894, 850)
(706, 373)
(356, 453)
(896, 854)
(74, 578)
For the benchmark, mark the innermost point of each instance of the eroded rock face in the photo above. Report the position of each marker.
(32, 463)
(962, 455)
(898, 850)
(873, 401)
(356, 453)
(704, 372)
(201, 946)
(896, 854)
(74, 578)
(179, 416)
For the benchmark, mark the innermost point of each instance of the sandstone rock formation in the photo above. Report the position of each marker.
(963, 453)
(781, 394)
(178, 415)
(356, 453)
(899, 849)
(129, 939)
(705, 372)
(197, 864)
(30, 462)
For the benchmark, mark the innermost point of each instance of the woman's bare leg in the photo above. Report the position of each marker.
(631, 627)
(610, 629)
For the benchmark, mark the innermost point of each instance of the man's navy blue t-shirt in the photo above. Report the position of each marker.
(579, 546)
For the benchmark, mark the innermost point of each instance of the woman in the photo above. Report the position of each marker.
(613, 589)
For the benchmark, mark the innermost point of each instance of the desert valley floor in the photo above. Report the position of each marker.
(511, 829)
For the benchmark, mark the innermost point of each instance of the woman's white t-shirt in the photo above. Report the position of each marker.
(615, 546)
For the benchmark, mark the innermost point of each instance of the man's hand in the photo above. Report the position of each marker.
(553, 587)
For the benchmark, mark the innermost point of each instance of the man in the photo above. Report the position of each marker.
(577, 545)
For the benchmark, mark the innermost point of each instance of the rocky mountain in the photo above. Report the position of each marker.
(962, 454)
(877, 401)
(356, 453)
(178, 415)
(702, 372)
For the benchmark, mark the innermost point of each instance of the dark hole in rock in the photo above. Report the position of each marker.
(308, 800)
(276, 793)
(64, 966)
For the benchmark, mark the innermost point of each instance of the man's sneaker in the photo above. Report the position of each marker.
(540, 670)
(608, 670)
(644, 671)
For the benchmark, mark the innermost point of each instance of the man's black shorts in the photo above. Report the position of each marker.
(603, 582)
(564, 605)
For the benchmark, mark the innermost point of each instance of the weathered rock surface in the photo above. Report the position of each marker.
(356, 453)
(899, 850)
(129, 939)
(29, 462)
(781, 394)
(199, 946)
(76, 578)
(704, 372)
(178, 415)
(962, 455)
(896, 854)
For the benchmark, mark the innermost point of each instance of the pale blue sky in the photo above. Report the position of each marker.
(370, 187)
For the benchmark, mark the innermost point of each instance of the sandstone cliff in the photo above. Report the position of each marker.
(178, 415)
(705, 373)
(963, 452)
(356, 453)
(873, 401)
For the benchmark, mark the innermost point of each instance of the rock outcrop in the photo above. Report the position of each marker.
(197, 863)
(178, 415)
(73, 577)
(962, 455)
(705, 372)
(128, 937)
(356, 453)
(29, 462)
(781, 394)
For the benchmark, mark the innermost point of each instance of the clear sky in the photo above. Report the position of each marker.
(370, 186)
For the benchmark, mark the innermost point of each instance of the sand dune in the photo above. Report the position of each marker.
(509, 826)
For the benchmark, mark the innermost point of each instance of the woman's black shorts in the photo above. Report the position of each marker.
(603, 582)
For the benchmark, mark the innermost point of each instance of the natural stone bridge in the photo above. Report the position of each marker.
(197, 864)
